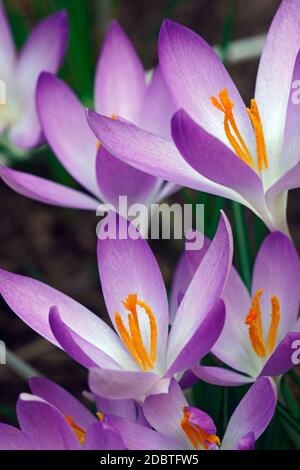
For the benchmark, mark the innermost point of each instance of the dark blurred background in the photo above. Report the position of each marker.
(57, 245)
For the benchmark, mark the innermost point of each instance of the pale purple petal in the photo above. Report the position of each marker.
(158, 107)
(277, 272)
(165, 412)
(62, 400)
(247, 442)
(253, 414)
(31, 300)
(67, 131)
(128, 266)
(43, 51)
(215, 161)
(122, 384)
(138, 437)
(13, 439)
(203, 339)
(100, 436)
(116, 179)
(45, 425)
(220, 376)
(149, 153)
(281, 361)
(274, 79)
(122, 408)
(233, 346)
(194, 73)
(120, 80)
(46, 191)
(291, 145)
(77, 347)
(211, 275)
(182, 278)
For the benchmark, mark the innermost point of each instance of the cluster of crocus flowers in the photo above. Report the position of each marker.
(188, 126)
(248, 154)
(141, 356)
(260, 328)
(121, 93)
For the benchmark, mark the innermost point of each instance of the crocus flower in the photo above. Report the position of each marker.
(121, 93)
(191, 428)
(52, 419)
(139, 356)
(262, 328)
(43, 51)
(250, 155)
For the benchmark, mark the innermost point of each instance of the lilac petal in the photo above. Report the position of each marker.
(194, 73)
(100, 436)
(201, 419)
(276, 196)
(149, 153)
(180, 283)
(120, 80)
(13, 439)
(158, 107)
(122, 384)
(165, 411)
(45, 425)
(43, 51)
(211, 275)
(128, 266)
(46, 191)
(122, 408)
(31, 300)
(7, 51)
(233, 346)
(67, 131)
(185, 270)
(247, 442)
(281, 360)
(253, 414)
(220, 376)
(202, 341)
(275, 76)
(62, 400)
(115, 179)
(215, 161)
(291, 144)
(188, 379)
(138, 437)
(79, 349)
(277, 272)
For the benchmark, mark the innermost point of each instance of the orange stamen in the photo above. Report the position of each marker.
(196, 435)
(133, 339)
(80, 433)
(254, 321)
(262, 159)
(225, 105)
(275, 318)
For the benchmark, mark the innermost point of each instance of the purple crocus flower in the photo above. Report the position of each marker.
(121, 93)
(139, 356)
(187, 427)
(52, 419)
(261, 329)
(250, 155)
(43, 51)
